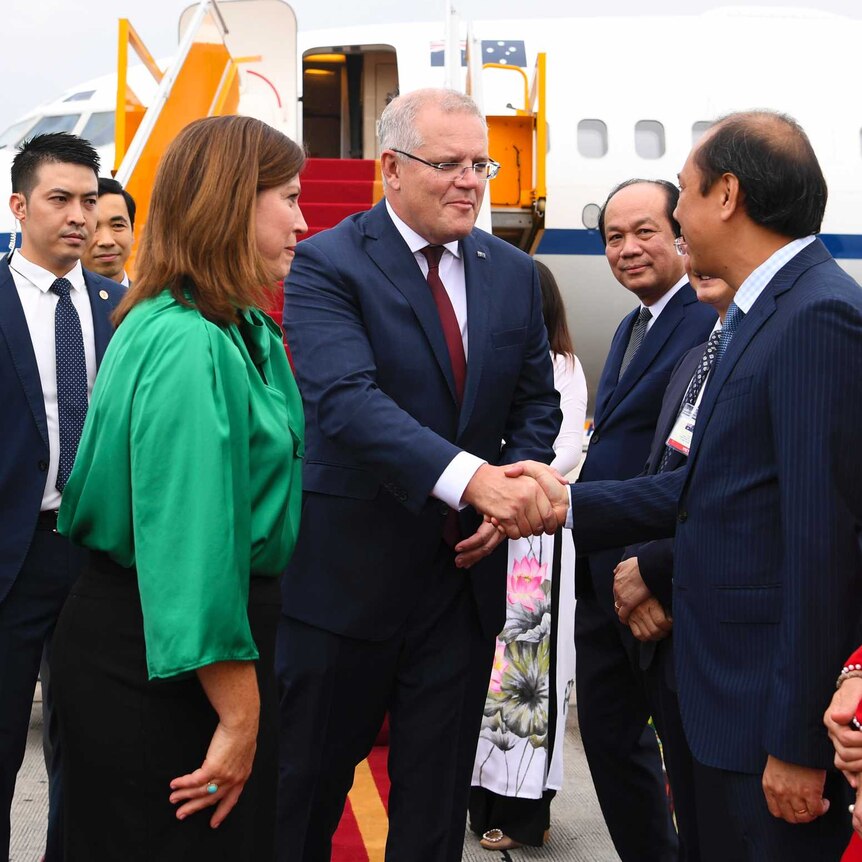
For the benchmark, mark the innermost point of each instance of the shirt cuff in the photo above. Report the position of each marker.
(570, 521)
(455, 478)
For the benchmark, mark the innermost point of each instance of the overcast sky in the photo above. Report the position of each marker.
(47, 46)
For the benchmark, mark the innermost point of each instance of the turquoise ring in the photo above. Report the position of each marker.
(212, 787)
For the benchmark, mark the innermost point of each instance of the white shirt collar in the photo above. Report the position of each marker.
(414, 241)
(754, 285)
(125, 281)
(659, 305)
(43, 279)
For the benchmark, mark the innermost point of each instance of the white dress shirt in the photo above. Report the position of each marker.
(660, 304)
(39, 303)
(457, 475)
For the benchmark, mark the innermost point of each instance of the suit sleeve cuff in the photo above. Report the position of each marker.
(455, 478)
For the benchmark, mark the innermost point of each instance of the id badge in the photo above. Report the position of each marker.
(683, 429)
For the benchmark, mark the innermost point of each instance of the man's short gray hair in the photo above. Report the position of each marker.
(396, 128)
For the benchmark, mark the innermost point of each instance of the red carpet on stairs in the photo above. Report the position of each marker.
(332, 189)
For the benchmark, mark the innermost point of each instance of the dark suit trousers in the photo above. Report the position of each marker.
(661, 692)
(431, 676)
(735, 823)
(27, 618)
(621, 748)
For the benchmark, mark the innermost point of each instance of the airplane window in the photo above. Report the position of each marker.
(15, 134)
(649, 139)
(60, 123)
(80, 96)
(99, 129)
(697, 130)
(592, 138)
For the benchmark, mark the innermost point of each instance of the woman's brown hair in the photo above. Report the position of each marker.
(199, 241)
(554, 313)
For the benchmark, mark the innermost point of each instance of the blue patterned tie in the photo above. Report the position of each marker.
(71, 378)
(636, 339)
(697, 381)
(731, 323)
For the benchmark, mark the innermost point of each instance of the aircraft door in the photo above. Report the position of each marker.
(261, 38)
(344, 92)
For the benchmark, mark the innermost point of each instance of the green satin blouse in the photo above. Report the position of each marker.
(189, 469)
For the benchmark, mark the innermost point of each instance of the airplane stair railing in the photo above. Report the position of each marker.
(520, 144)
(201, 82)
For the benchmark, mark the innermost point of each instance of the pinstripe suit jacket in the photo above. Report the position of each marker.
(768, 517)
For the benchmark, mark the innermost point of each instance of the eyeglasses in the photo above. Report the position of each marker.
(455, 170)
(681, 246)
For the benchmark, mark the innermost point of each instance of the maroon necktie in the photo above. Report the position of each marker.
(451, 330)
(452, 334)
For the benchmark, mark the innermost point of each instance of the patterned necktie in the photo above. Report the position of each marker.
(71, 378)
(451, 329)
(636, 338)
(731, 323)
(696, 384)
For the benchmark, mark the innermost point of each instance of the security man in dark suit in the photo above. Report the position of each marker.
(638, 229)
(54, 327)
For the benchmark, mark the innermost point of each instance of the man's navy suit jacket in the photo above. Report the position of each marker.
(767, 591)
(382, 421)
(627, 410)
(24, 452)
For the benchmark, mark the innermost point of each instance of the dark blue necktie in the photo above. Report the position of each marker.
(731, 323)
(71, 378)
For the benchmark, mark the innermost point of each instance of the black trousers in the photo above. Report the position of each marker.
(431, 676)
(124, 737)
(27, 617)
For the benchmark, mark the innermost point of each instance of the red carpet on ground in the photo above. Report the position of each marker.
(361, 835)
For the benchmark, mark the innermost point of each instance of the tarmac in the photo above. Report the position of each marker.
(578, 832)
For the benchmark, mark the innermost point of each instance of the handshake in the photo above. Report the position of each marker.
(523, 499)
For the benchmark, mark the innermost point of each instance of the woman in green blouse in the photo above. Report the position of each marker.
(186, 488)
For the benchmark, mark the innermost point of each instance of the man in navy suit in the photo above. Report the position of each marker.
(424, 364)
(768, 511)
(638, 229)
(54, 192)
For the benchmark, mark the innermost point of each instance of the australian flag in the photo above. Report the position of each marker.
(509, 53)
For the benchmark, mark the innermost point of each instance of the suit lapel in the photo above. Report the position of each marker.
(391, 255)
(101, 308)
(763, 308)
(667, 419)
(652, 345)
(477, 276)
(13, 325)
(611, 371)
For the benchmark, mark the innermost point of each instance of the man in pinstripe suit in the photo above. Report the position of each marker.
(768, 512)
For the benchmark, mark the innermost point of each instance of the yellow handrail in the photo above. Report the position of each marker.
(526, 109)
(223, 92)
(128, 36)
(541, 128)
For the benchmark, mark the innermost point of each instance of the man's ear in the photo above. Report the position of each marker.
(390, 168)
(18, 205)
(730, 195)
